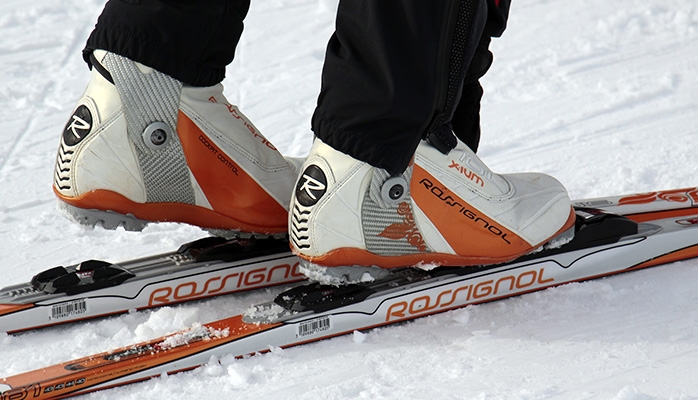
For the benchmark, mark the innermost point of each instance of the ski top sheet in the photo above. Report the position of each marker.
(604, 244)
(646, 206)
(207, 267)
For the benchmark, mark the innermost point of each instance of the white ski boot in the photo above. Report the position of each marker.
(142, 147)
(446, 210)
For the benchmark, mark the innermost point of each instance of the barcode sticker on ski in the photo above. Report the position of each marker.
(314, 326)
(69, 309)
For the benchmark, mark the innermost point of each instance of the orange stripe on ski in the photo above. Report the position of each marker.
(672, 196)
(679, 255)
(11, 308)
(82, 374)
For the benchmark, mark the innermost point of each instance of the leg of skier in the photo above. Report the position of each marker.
(386, 182)
(154, 139)
(466, 117)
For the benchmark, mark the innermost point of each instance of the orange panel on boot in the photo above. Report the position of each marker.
(228, 188)
(468, 231)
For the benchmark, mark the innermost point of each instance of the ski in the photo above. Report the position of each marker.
(655, 230)
(211, 267)
(646, 206)
(207, 267)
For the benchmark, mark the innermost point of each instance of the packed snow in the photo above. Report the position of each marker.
(600, 94)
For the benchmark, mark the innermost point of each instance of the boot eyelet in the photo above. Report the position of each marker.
(157, 135)
(394, 190)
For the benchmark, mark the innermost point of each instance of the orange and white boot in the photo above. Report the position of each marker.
(142, 147)
(445, 209)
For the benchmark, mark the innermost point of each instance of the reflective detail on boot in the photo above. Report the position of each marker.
(312, 185)
(310, 188)
(299, 226)
(61, 174)
(83, 122)
(145, 98)
(78, 128)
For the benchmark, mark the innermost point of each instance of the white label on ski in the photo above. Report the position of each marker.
(313, 326)
(594, 203)
(68, 309)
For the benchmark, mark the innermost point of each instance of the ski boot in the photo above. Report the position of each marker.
(142, 147)
(444, 210)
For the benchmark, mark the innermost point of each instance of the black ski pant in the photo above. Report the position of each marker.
(396, 71)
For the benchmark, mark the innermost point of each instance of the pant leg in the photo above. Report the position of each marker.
(192, 41)
(466, 117)
(394, 73)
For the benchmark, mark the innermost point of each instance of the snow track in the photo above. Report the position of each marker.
(599, 94)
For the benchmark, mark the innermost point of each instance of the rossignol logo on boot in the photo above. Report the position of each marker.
(311, 186)
(78, 127)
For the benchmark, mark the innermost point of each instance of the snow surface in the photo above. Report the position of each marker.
(600, 94)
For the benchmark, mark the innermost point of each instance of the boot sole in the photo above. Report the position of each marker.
(105, 208)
